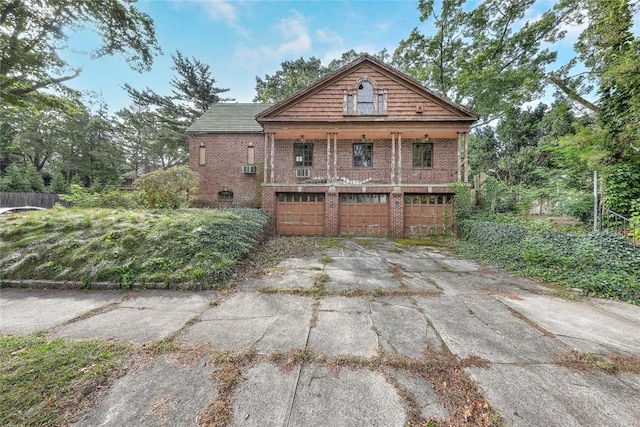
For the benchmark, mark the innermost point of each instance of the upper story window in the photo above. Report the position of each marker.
(422, 155)
(303, 155)
(362, 155)
(365, 98)
(202, 154)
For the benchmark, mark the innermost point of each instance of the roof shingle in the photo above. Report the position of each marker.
(229, 118)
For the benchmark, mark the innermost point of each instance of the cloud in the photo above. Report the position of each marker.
(292, 39)
(219, 10)
(329, 37)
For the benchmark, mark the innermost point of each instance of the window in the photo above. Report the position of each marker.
(349, 104)
(303, 155)
(381, 104)
(365, 98)
(422, 155)
(202, 156)
(251, 155)
(225, 195)
(362, 155)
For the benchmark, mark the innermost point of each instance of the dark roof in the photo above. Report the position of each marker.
(229, 118)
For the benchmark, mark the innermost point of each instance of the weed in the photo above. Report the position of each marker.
(321, 278)
(326, 259)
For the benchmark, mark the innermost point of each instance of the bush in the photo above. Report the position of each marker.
(600, 263)
(22, 178)
(168, 189)
(114, 199)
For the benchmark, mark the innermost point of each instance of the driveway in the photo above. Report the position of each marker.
(368, 333)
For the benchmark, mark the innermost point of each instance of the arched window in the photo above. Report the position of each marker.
(365, 98)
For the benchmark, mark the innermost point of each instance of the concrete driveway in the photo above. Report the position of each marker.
(369, 333)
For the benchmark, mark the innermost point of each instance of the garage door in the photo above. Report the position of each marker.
(427, 213)
(364, 214)
(300, 214)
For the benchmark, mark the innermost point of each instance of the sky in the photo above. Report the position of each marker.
(242, 39)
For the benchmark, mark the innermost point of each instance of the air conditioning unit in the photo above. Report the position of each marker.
(303, 172)
(249, 169)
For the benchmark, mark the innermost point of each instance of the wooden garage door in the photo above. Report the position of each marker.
(364, 214)
(300, 214)
(427, 213)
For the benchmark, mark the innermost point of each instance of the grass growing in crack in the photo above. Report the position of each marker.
(326, 259)
(315, 267)
(161, 347)
(590, 363)
(228, 372)
(41, 380)
(321, 278)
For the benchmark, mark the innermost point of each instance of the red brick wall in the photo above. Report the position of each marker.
(222, 171)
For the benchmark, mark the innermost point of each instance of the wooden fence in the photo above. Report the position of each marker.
(43, 200)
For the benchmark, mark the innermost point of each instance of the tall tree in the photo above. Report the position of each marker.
(487, 59)
(33, 33)
(294, 76)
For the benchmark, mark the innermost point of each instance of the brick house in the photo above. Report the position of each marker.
(364, 151)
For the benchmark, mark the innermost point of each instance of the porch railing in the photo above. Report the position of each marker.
(612, 221)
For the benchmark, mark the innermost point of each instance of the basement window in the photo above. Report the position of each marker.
(226, 196)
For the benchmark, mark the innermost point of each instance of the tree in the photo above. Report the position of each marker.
(485, 59)
(168, 189)
(33, 33)
(294, 76)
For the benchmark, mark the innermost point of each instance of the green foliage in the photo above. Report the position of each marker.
(129, 246)
(80, 197)
(622, 187)
(40, 379)
(168, 189)
(462, 201)
(58, 184)
(601, 264)
(22, 178)
(32, 38)
(117, 199)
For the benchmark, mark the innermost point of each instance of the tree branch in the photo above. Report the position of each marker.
(34, 87)
(573, 94)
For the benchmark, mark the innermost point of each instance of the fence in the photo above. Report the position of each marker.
(43, 200)
(620, 225)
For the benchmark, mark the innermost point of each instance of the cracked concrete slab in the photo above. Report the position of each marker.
(595, 326)
(552, 395)
(481, 326)
(402, 329)
(264, 322)
(356, 278)
(145, 318)
(159, 394)
(28, 311)
(346, 398)
(422, 393)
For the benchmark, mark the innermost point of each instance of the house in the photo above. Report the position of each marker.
(364, 151)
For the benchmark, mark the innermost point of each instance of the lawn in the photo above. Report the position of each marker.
(195, 246)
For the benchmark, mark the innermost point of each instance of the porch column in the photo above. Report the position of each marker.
(466, 157)
(458, 157)
(399, 157)
(335, 157)
(272, 156)
(328, 156)
(393, 157)
(266, 158)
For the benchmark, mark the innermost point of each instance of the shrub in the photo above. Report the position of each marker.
(167, 189)
(600, 263)
(114, 198)
(80, 197)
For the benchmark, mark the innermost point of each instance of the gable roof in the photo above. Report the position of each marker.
(229, 118)
(271, 113)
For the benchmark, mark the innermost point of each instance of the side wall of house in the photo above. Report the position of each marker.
(224, 157)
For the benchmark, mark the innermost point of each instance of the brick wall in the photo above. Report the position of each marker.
(225, 154)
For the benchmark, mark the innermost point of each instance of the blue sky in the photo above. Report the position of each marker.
(242, 39)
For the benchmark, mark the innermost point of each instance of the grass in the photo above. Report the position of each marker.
(128, 246)
(41, 379)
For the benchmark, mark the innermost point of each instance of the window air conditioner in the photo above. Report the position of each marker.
(303, 173)
(249, 169)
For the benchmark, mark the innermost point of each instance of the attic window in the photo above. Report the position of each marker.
(365, 98)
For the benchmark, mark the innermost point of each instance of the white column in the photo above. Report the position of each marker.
(399, 157)
(458, 158)
(328, 156)
(272, 155)
(393, 157)
(335, 156)
(266, 157)
(466, 157)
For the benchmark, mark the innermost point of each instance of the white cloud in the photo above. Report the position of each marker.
(294, 40)
(219, 10)
(329, 37)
